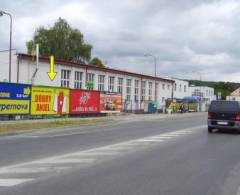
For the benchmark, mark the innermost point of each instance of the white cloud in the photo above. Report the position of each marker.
(186, 35)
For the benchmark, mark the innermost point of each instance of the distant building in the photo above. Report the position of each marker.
(205, 94)
(235, 95)
(180, 88)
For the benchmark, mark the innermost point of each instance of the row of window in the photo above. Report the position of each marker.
(199, 92)
(78, 84)
(180, 88)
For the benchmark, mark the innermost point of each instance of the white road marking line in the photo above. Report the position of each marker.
(24, 170)
(150, 140)
(93, 154)
(80, 157)
(180, 133)
(30, 170)
(67, 160)
(12, 182)
(163, 137)
(104, 148)
(170, 135)
(184, 131)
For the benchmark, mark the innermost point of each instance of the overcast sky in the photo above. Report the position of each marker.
(189, 37)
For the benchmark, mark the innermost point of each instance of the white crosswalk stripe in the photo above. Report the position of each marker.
(12, 182)
(150, 140)
(30, 171)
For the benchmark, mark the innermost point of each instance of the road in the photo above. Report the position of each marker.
(174, 156)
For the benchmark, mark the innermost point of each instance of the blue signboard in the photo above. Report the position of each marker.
(13, 91)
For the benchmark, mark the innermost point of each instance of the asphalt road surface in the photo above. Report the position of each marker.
(153, 157)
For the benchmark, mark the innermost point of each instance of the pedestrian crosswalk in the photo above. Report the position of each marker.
(30, 171)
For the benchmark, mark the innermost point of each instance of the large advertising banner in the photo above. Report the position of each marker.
(14, 98)
(84, 102)
(49, 101)
(110, 102)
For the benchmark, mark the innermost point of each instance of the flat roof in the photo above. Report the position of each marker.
(92, 67)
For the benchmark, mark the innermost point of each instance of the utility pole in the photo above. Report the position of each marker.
(10, 43)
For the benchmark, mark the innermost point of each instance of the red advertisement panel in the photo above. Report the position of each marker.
(84, 102)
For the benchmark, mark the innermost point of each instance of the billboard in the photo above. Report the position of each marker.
(110, 102)
(84, 102)
(14, 98)
(49, 100)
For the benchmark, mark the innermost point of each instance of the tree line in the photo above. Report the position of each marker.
(225, 88)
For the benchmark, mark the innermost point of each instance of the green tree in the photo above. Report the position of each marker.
(62, 41)
(96, 61)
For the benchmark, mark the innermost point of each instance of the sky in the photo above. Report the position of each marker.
(191, 39)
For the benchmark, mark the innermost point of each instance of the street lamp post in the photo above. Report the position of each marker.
(155, 73)
(10, 43)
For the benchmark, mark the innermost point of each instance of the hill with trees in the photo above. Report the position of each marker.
(226, 88)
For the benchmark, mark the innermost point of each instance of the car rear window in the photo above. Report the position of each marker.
(224, 106)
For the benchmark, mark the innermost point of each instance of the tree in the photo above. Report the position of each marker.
(96, 61)
(62, 41)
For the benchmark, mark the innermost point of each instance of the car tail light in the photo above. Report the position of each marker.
(210, 115)
(237, 117)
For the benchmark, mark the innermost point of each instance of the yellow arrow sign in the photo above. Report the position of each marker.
(52, 74)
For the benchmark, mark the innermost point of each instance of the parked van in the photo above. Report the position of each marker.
(224, 115)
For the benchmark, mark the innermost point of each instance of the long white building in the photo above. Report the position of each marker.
(136, 89)
(180, 88)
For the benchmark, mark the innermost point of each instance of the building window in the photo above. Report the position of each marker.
(101, 79)
(129, 86)
(78, 80)
(65, 78)
(168, 87)
(136, 90)
(180, 88)
(143, 92)
(150, 91)
(175, 87)
(90, 77)
(120, 85)
(90, 81)
(196, 92)
(111, 84)
(185, 88)
(163, 86)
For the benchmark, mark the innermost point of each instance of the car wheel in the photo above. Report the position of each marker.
(210, 129)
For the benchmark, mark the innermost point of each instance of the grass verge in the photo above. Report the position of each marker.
(6, 129)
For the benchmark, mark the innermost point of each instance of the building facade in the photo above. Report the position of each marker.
(180, 88)
(137, 89)
(235, 95)
(206, 94)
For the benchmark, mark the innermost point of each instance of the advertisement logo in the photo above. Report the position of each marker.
(85, 97)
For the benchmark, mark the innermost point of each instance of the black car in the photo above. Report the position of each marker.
(224, 115)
